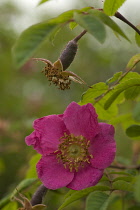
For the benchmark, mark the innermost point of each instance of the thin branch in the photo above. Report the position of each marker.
(111, 87)
(117, 15)
(125, 167)
(76, 39)
(110, 180)
(122, 18)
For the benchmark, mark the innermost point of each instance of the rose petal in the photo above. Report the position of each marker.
(81, 120)
(33, 139)
(51, 129)
(103, 147)
(60, 115)
(86, 177)
(53, 174)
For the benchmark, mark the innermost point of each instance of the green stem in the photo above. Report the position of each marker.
(110, 180)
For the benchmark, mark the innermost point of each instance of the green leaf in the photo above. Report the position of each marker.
(85, 9)
(121, 119)
(137, 36)
(137, 189)
(112, 99)
(132, 93)
(136, 112)
(74, 195)
(114, 78)
(133, 131)
(122, 185)
(97, 201)
(130, 75)
(92, 94)
(134, 208)
(123, 160)
(119, 89)
(42, 1)
(66, 16)
(104, 178)
(111, 6)
(108, 21)
(72, 25)
(120, 173)
(34, 36)
(5, 200)
(110, 113)
(124, 178)
(115, 201)
(92, 24)
(23, 185)
(10, 206)
(30, 40)
(31, 173)
(133, 172)
(132, 62)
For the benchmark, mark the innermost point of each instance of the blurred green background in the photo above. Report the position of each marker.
(26, 94)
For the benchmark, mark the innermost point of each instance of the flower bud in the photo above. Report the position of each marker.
(68, 54)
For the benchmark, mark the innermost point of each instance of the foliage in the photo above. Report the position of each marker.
(75, 195)
(31, 38)
(110, 7)
(133, 131)
(97, 199)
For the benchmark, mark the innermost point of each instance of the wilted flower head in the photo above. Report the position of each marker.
(55, 74)
(75, 148)
(27, 204)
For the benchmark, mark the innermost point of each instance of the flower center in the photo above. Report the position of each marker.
(73, 152)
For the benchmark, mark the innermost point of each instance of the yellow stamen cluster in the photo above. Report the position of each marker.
(54, 75)
(73, 152)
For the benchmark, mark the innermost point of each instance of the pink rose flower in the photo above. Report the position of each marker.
(75, 148)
